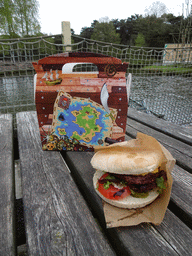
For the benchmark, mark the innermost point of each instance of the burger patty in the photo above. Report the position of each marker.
(142, 183)
(140, 179)
(143, 188)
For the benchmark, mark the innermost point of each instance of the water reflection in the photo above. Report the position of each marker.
(16, 93)
(167, 97)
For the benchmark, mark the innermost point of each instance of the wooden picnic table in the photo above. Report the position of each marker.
(62, 212)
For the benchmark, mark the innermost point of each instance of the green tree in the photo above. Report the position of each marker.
(140, 40)
(19, 17)
(157, 31)
(88, 31)
(126, 29)
(7, 18)
(105, 31)
(27, 16)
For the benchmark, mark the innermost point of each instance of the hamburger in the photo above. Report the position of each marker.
(128, 178)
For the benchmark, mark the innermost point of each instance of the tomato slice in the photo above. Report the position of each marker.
(112, 192)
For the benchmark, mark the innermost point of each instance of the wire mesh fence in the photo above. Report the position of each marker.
(161, 85)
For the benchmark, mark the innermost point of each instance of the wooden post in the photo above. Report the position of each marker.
(66, 31)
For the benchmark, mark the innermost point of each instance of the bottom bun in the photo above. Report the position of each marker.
(129, 202)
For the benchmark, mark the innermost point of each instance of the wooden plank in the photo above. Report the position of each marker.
(7, 230)
(58, 221)
(65, 82)
(75, 84)
(96, 60)
(176, 131)
(181, 197)
(176, 233)
(181, 151)
(45, 97)
(87, 75)
(99, 82)
(143, 239)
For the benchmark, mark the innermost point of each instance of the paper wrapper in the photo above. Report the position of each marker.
(153, 213)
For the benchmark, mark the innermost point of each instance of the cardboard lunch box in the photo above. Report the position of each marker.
(81, 100)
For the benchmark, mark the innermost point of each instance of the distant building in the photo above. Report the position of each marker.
(177, 53)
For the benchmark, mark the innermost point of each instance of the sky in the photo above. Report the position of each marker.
(81, 13)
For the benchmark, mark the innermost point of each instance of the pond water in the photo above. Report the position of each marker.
(16, 94)
(167, 97)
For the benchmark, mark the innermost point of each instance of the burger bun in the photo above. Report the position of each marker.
(130, 162)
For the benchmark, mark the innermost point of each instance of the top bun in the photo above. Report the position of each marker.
(125, 161)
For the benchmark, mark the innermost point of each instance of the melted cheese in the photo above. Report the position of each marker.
(145, 173)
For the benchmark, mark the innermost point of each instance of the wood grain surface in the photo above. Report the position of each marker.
(172, 237)
(7, 230)
(179, 148)
(58, 221)
(177, 140)
(61, 206)
(173, 130)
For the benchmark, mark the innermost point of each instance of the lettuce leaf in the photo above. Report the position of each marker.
(160, 184)
(139, 195)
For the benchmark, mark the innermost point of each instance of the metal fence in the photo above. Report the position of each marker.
(161, 85)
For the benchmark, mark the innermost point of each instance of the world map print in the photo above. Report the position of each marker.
(82, 120)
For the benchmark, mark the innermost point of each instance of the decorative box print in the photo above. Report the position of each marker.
(80, 110)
